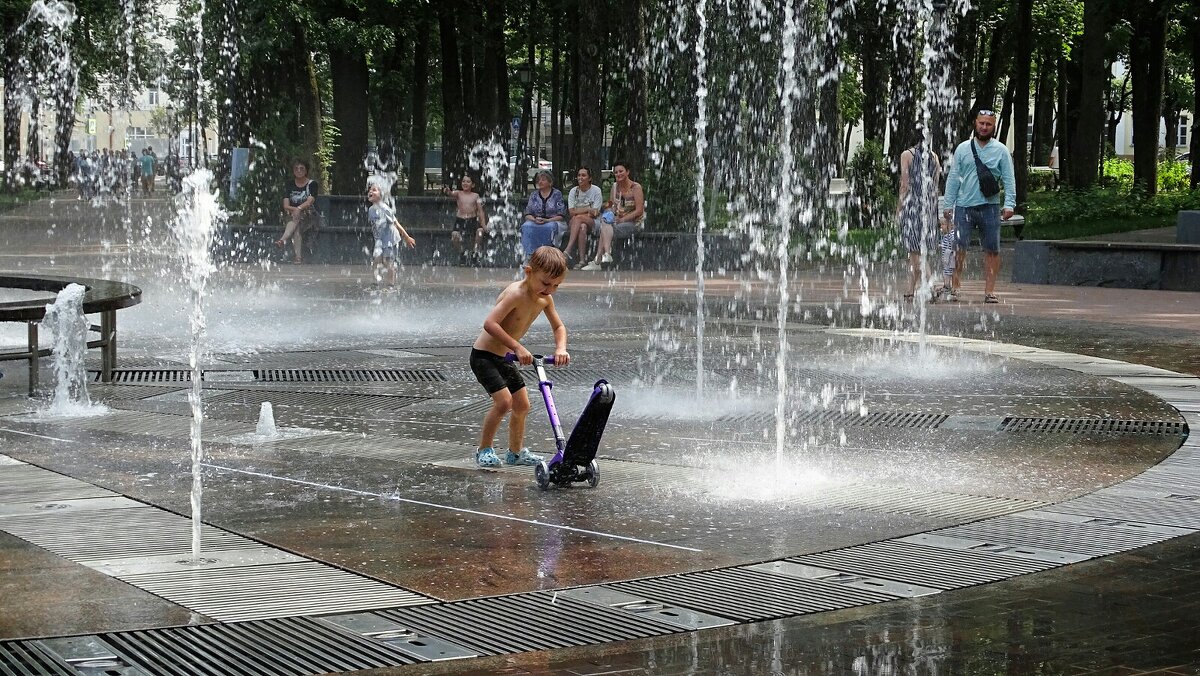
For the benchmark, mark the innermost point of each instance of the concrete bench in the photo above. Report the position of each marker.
(1187, 227)
(1124, 265)
(103, 296)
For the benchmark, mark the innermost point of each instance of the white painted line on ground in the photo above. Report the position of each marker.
(39, 436)
(448, 507)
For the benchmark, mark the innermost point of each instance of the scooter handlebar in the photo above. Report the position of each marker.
(547, 359)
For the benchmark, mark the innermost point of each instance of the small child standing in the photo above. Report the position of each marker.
(388, 232)
(468, 217)
(946, 248)
(516, 308)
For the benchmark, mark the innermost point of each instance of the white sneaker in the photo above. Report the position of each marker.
(593, 266)
(606, 258)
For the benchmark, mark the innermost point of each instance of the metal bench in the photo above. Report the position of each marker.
(103, 296)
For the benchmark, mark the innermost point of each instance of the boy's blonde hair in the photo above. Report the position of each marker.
(549, 260)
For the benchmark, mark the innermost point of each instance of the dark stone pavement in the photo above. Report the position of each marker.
(1129, 613)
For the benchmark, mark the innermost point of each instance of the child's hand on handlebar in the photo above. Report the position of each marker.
(524, 356)
(561, 358)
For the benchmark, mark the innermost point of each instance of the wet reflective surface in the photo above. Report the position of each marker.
(689, 481)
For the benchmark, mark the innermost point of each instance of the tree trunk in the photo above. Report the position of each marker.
(496, 65)
(309, 99)
(630, 144)
(831, 122)
(1006, 107)
(1116, 109)
(904, 92)
(555, 106)
(452, 97)
(465, 21)
(874, 72)
(1022, 62)
(348, 71)
(1043, 113)
(1194, 147)
(1087, 110)
(420, 101)
(985, 89)
(12, 102)
(1147, 50)
(64, 123)
(589, 132)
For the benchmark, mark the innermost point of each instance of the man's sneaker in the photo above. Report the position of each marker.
(591, 266)
(605, 259)
(486, 457)
(525, 458)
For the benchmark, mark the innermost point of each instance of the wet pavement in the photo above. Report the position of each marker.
(883, 440)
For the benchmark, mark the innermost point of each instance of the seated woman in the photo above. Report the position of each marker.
(627, 207)
(543, 215)
(584, 203)
(299, 195)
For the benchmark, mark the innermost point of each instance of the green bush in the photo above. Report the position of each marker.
(870, 180)
(1117, 173)
(1103, 206)
(1042, 180)
(1173, 176)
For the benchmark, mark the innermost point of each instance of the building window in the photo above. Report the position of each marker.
(152, 97)
(1183, 131)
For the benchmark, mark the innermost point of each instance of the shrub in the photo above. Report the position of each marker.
(1042, 180)
(870, 180)
(1173, 176)
(1117, 173)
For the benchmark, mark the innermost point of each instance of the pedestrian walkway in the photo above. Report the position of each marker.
(372, 488)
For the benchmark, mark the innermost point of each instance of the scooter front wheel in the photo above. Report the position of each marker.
(542, 474)
(593, 474)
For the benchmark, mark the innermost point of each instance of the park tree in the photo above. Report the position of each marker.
(1147, 55)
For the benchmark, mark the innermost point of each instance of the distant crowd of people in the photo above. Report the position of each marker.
(103, 174)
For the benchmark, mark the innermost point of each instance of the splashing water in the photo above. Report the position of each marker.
(197, 217)
(266, 422)
(66, 321)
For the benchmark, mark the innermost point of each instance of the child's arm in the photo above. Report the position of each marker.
(479, 210)
(412, 243)
(495, 329)
(561, 357)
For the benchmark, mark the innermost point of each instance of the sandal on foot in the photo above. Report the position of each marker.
(990, 298)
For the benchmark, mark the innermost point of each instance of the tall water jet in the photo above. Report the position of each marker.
(65, 320)
(197, 216)
(701, 131)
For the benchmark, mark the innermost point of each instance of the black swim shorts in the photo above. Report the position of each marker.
(494, 373)
(466, 225)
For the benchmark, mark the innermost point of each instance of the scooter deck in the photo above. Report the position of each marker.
(584, 441)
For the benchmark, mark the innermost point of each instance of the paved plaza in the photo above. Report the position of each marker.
(1015, 492)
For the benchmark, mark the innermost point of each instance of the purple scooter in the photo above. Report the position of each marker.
(575, 460)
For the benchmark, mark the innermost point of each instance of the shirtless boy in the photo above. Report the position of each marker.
(516, 308)
(468, 216)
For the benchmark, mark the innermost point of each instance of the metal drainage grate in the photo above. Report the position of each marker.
(1091, 425)
(1064, 532)
(350, 376)
(147, 376)
(750, 595)
(292, 646)
(547, 619)
(923, 564)
(877, 419)
(312, 401)
(23, 657)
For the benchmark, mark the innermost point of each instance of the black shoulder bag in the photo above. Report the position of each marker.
(988, 185)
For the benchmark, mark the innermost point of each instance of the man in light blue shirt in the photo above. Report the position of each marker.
(971, 208)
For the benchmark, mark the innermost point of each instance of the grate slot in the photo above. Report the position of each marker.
(23, 658)
(749, 595)
(341, 376)
(876, 419)
(1093, 539)
(549, 620)
(924, 565)
(1092, 426)
(147, 376)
